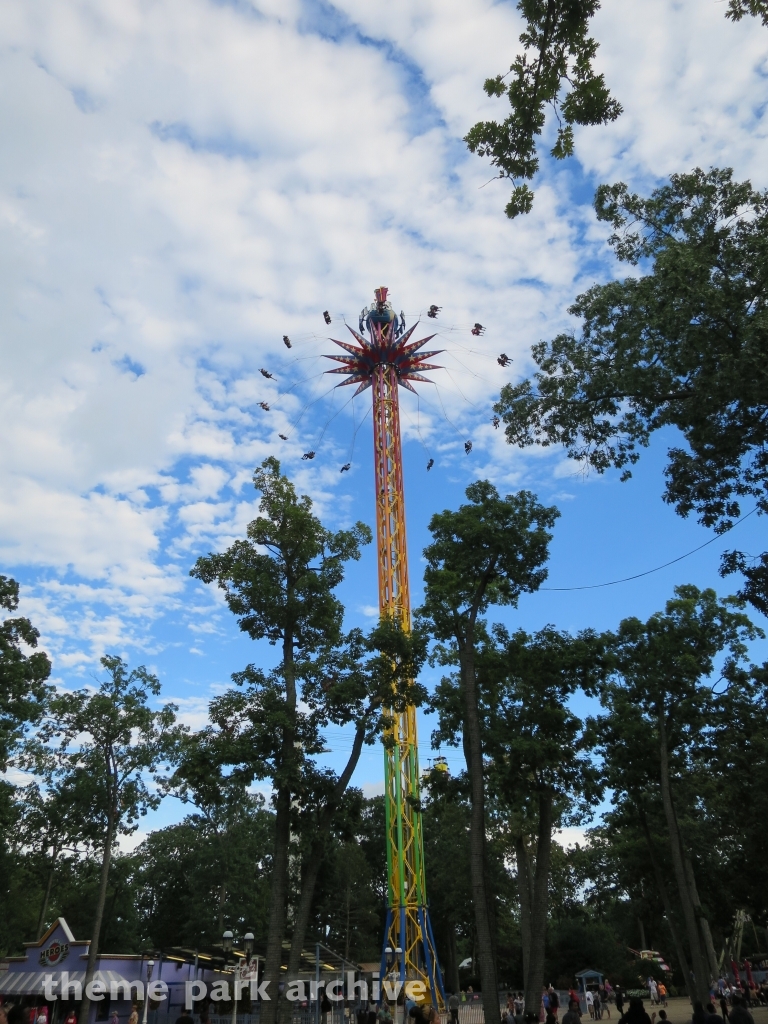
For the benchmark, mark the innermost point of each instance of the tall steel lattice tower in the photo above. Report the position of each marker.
(384, 361)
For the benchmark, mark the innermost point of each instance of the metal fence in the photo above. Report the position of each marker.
(470, 1012)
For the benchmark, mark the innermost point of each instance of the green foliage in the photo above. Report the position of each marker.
(209, 872)
(737, 9)
(280, 581)
(487, 552)
(23, 689)
(534, 740)
(576, 943)
(107, 743)
(555, 70)
(20, 891)
(531, 739)
(684, 671)
(680, 345)
(732, 764)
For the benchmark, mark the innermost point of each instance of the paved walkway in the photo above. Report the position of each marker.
(679, 1011)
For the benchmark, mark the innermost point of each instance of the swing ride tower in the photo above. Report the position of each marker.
(384, 362)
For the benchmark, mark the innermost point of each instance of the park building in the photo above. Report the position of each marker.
(49, 978)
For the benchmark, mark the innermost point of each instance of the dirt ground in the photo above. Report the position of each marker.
(679, 1011)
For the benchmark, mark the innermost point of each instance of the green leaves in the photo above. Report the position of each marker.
(279, 581)
(555, 70)
(737, 9)
(487, 552)
(23, 689)
(681, 345)
(114, 738)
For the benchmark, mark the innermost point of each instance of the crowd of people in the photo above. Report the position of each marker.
(734, 1005)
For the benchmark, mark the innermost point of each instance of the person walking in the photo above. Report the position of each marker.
(739, 1013)
(573, 1014)
(636, 1013)
(590, 1003)
(605, 999)
(597, 1006)
(554, 1001)
(384, 1014)
(453, 1006)
(325, 1006)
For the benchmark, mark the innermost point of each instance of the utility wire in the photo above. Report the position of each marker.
(626, 579)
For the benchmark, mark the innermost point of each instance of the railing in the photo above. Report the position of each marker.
(470, 1012)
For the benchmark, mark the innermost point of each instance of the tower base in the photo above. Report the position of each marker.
(409, 952)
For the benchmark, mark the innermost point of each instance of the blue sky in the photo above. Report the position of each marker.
(183, 183)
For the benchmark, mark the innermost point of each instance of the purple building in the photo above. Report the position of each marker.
(51, 975)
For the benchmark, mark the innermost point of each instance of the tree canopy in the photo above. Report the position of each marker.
(680, 344)
(23, 676)
(555, 70)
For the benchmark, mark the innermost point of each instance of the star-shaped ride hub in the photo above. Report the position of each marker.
(384, 349)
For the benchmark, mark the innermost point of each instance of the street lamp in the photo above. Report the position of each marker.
(227, 941)
(150, 965)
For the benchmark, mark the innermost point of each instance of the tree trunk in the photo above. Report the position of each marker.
(534, 977)
(48, 886)
(311, 869)
(222, 900)
(666, 902)
(641, 927)
(452, 958)
(282, 847)
(700, 967)
(473, 748)
(706, 934)
(93, 949)
(525, 892)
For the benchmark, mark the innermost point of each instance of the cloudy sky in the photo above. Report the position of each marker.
(182, 182)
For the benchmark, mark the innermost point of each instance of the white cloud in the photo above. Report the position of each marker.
(188, 181)
(571, 837)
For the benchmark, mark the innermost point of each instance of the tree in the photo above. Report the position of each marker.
(540, 760)
(681, 345)
(737, 9)
(663, 687)
(559, 74)
(538, 767)
(23, 689)
(227, 820)
(555, 70)
(19, 884)
(113, 737)
(362, 683)
(446, 815)
(52, 819)
(734, 762)
(488, 552)
(279, 582)
(208, 872)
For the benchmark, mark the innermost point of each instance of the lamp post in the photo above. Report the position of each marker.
(227, 941)
(150, 965)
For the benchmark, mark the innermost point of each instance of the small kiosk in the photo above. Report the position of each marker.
(585, 979)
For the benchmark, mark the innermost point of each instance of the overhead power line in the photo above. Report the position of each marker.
(637, 576)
